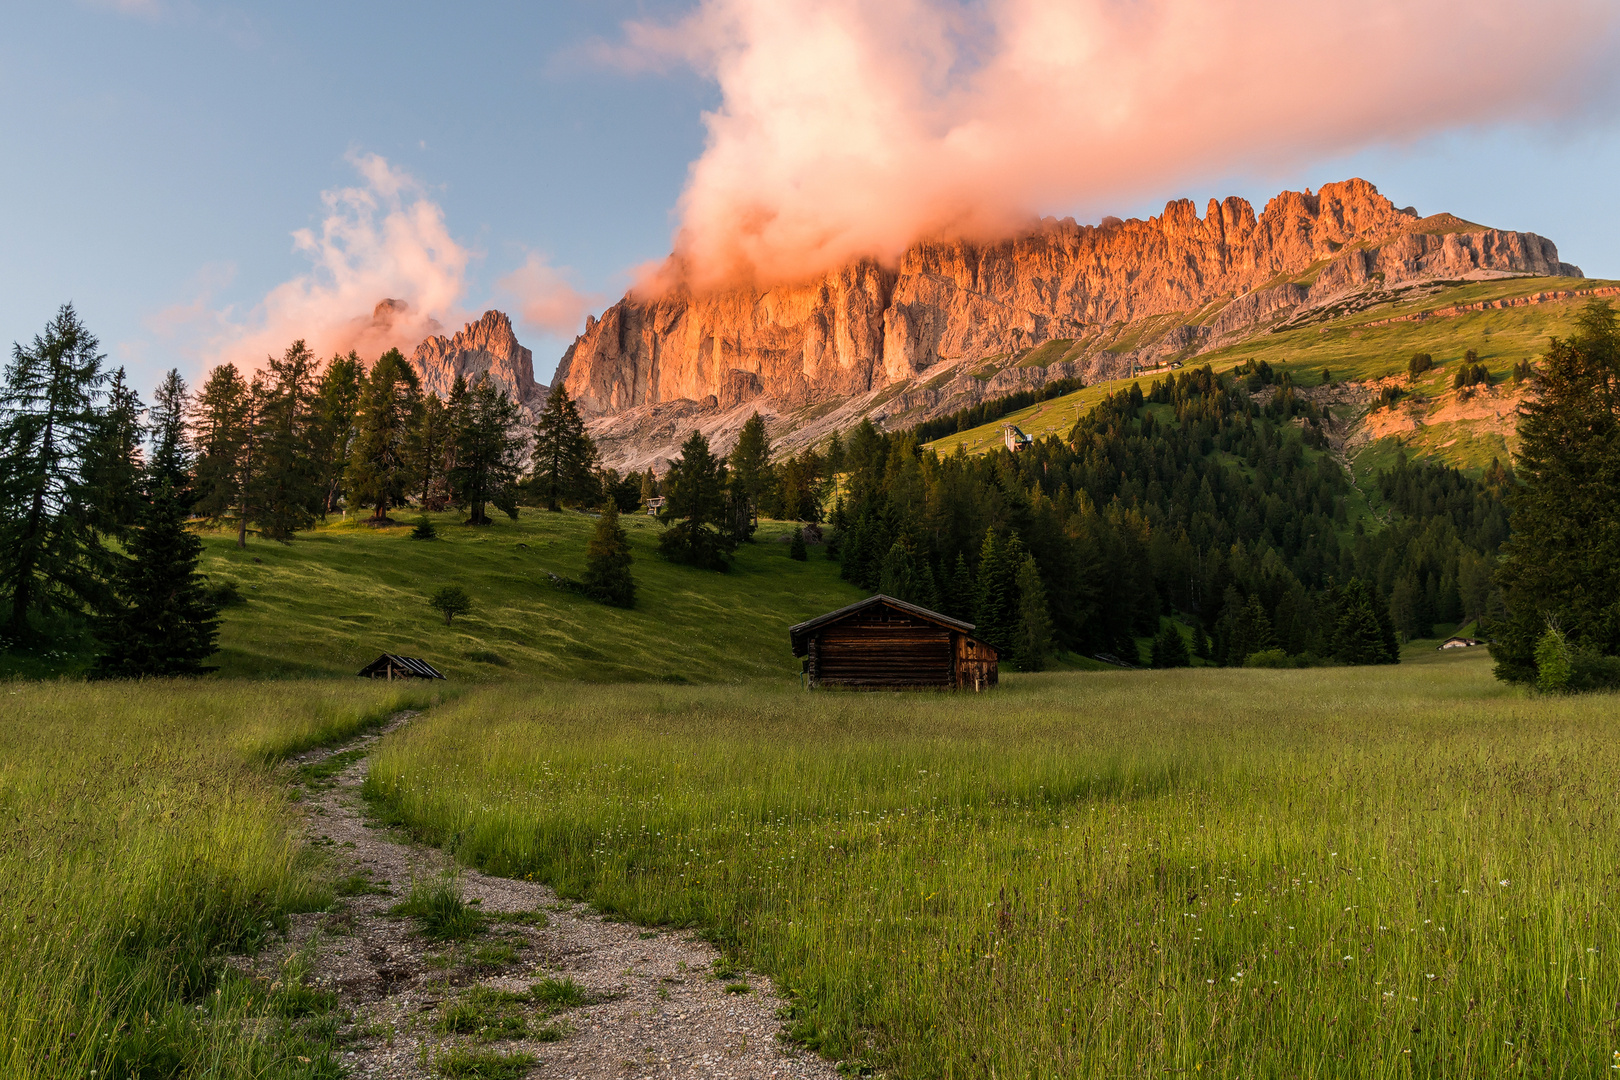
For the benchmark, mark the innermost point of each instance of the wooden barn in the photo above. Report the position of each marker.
(391, 667)
(884, 643)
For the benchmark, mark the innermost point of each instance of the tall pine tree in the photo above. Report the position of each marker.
(50, 557)
(1034, 642)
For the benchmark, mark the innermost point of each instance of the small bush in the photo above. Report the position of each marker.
(225, 594)
(450, 601)
(796, 548)
(1470, 374)
(1274, 658)
(1523, 371)
(1419, 363)
(439, 911)
(484, 1065)
(558, 994)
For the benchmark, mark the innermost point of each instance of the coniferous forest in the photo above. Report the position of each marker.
(1211, 499)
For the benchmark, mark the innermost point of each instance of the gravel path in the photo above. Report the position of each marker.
(654, 1005)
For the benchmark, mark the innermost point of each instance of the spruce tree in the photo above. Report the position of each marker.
(796, 549)
(750, 464)
(49, 555)
(288, 490)
(379, 473)
(996, 596)
(1562, 562)
(1169, 648)
(695, 507)
(607, 562)
(161, 619)
(169, 433)
(489, 446)
(1358, 638)
(907, 576)
(113, 462)
(564, 458)
(1034, 641)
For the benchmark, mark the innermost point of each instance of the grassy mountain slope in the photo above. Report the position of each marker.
(336, 597)
(1364, 347)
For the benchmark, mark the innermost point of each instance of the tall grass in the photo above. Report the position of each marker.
(141, 838)
(1370, 872)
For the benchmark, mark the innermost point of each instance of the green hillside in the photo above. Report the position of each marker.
(333, 599)
(1363, 346)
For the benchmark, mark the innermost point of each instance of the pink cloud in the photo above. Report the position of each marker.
(546, 298)
(381, 240)
(850, 129)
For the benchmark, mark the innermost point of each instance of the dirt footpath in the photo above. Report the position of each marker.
(538, 979)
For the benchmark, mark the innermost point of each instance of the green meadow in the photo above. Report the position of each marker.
(144, 835)
(335, 598)
(1354, 347)
(1403, 871)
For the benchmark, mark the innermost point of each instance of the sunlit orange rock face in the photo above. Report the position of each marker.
(867, 326)
(487, 347)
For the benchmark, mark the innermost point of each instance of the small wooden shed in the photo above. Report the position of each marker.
(884, 643)
(391, 667)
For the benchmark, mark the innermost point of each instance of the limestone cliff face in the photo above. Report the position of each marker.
(955, 305)
(486, 347)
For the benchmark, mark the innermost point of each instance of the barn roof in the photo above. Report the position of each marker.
(420, 668)
(799, 633)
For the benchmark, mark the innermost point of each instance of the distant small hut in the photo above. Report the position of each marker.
(655, 504)
(1461, 643)
(391, 667)
(881, 643)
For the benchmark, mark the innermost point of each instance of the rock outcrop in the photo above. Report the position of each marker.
(956, 321)
(486, 347)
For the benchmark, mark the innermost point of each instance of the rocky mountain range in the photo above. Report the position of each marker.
(486, 347)
(956, 322)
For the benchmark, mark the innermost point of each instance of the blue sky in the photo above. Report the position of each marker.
(161, 153)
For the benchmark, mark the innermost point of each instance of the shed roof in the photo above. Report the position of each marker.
(799, 633)
(420, 668)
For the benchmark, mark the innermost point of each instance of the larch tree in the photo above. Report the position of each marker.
(564, 458)
(50, 557)
(379, 473)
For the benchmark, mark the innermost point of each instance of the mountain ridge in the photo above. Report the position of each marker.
(958, 321)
